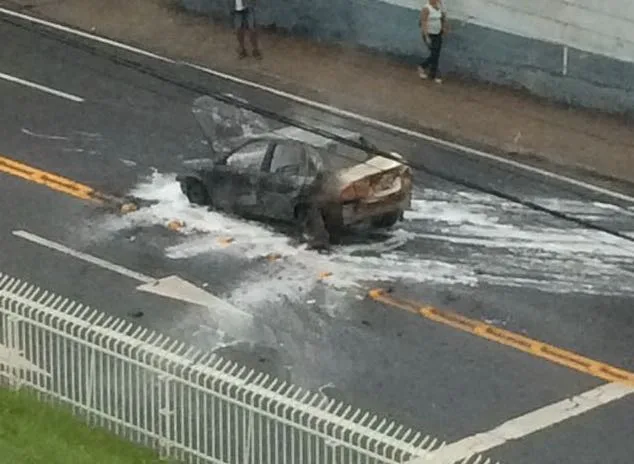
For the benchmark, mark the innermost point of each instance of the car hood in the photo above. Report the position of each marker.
(225, 126)
(199, 164)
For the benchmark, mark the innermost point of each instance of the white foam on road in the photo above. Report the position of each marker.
(479, 220)
(514, 246)
(449, 238)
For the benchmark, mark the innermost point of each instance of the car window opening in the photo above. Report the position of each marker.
(288, 158)
(250, 156)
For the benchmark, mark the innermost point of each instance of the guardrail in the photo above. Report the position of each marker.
(192, 406)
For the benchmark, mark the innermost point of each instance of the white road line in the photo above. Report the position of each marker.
(83, 256)
(86, 35)
(42, 88)
(334, 110)
(527, 424)
(238, 323)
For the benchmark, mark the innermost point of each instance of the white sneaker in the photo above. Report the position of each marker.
(421, 73)
(438, 80)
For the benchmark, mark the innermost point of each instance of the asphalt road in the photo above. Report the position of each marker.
(486, 257)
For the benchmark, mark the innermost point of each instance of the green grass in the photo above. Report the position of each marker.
(33, 432)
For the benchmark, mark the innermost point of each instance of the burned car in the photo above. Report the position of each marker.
(294, 176)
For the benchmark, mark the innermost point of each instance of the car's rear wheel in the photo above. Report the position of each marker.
(335, 230)
(197, 193)
(387, 220)
(313, 225)
(333, 221)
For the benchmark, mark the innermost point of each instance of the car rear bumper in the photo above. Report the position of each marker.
(359, 211)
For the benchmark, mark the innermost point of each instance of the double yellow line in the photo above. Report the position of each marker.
(58, 183)
(52, 181)
(505, 337)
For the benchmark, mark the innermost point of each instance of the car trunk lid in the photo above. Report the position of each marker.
(376, 178)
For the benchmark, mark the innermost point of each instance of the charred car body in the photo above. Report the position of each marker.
(292, 175)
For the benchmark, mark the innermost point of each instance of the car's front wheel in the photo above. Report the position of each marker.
(197, 193)
(387, 220)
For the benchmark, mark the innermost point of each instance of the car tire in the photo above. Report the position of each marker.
(387, 220)
(300, 221)
(335, 231)
(333, 222)
(197, 193)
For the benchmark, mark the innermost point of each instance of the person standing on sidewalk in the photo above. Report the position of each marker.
(243, 15)
(433, 23)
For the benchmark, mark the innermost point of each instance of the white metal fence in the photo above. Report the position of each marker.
(191, 406)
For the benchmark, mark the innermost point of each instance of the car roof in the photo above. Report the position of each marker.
(312, 139)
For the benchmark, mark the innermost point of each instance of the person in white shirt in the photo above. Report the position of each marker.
(433, 26)
(243, 15)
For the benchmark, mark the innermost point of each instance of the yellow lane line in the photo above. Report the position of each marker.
(54, 181)
(505, 337)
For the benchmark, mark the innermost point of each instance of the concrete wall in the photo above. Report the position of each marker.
(579, 52)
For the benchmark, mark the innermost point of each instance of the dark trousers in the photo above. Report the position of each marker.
(244, 19)
(431, 63)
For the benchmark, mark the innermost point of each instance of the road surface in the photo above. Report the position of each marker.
(69, 108)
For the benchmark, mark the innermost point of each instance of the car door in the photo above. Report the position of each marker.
(234, 183)
(286, 172)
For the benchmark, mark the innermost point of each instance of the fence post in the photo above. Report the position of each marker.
(165, 412)
(333, 446)
(90, 379)
(248, 446)
(13, 353)
(4, 344)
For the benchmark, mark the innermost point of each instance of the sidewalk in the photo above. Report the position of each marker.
(500, 120)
